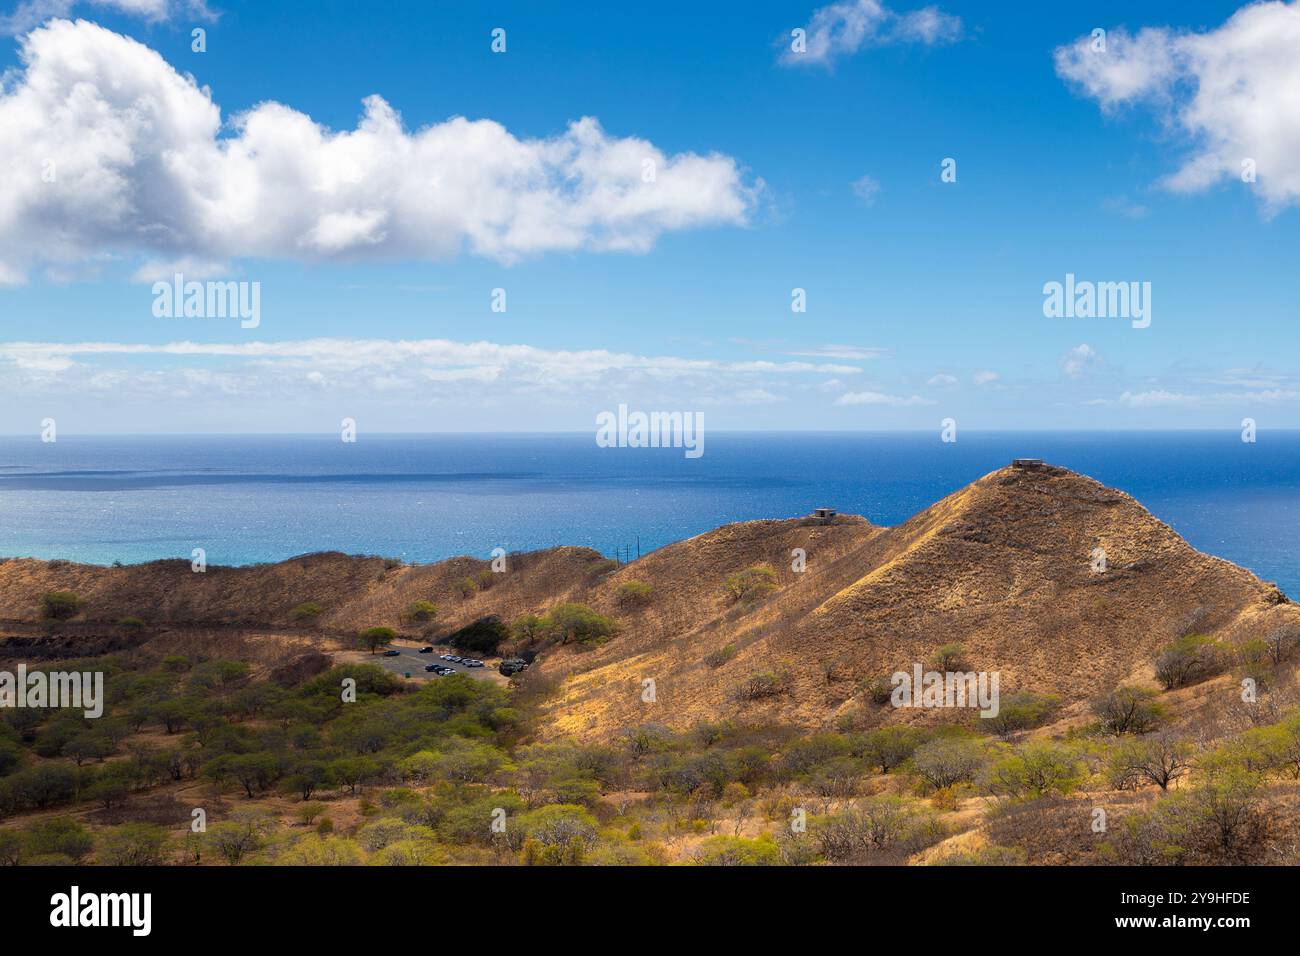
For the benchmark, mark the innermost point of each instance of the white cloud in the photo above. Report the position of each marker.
(929, 25)
(854, 353)
(262, 369)
(1163, 398)
(1079, 360)
(984, 377)
(880, 398)
(865, 189)
(942, 378)
(30, 13)
(1124, 207)
(143, 164)
(842, 29)
(1234, 92)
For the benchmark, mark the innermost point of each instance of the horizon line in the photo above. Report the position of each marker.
(726, 431)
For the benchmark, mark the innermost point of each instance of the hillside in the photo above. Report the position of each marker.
(1003, 566)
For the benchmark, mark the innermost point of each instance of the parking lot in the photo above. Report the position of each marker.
(409, 662)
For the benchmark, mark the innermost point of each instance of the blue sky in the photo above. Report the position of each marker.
(924, 298)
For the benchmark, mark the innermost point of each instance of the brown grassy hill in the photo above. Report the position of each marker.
(1004, 566)
(165, 592)
(353, 592)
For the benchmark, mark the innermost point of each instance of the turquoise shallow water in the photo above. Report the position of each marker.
(423, 497)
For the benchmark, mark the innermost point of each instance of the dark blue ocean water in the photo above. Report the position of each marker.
(423, 497)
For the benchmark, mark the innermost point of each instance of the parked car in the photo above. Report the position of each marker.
(472, 663)
(433, 667)
(512, 665)
(426, 650)
(392, 653)
(453, 657)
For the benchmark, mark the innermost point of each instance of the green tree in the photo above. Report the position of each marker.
(1188, 660)
(738, 851)
(1159, 758)
(59, 837)
(374, 638)
(948, 761)
(1128, 710)
(577, 622)
(133, 844)
(1021, 711)
(888, 747)
(1035, 770)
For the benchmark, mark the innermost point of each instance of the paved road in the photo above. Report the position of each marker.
(410, 661)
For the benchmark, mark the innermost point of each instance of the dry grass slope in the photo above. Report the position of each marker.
(1003, 566)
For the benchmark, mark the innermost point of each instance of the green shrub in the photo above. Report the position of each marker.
(577, 622)
(750, 583)
(758, 686)
(720, 656)
(949, 658)
(1022, 710)
(634, 593)
(738, 851)
(306, 611)
(483, 636)
(60, 605)
(1190, 659)
(422, 611)
(1128, 710)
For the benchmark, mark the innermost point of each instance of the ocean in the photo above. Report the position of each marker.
(248, 499)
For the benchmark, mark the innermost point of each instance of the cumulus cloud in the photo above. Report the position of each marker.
(1232, 91)
(112, 153)
(985, 377)
(1079, 360)
(842, 29)
(30, 13)
(942, 378)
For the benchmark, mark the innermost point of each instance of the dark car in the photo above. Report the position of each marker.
(433, 667)
(425, 650)
(512, 665)
(392, 653)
